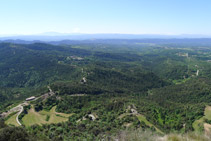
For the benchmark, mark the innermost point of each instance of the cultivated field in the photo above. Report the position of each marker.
(44, 117)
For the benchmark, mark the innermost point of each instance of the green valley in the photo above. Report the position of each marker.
(94, 90)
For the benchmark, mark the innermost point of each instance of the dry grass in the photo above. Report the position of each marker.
(140, 135)
(136, 135)
(187, 137)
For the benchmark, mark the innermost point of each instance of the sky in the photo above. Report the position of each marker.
(170, 17)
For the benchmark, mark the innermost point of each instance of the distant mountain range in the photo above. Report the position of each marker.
(54, 36)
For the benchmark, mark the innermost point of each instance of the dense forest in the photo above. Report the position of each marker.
(107, 86)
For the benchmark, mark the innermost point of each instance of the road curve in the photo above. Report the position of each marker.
(19, 114)
(20, 106)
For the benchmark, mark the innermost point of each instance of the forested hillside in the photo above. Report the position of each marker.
(95, 90)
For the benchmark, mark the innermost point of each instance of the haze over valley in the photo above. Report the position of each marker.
(110, 70)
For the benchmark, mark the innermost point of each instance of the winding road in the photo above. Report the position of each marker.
(21, 110)
(21, 105)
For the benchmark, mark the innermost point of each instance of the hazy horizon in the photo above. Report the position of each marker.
(55, 33)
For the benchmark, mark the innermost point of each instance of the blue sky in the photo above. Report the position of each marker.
(106, 16)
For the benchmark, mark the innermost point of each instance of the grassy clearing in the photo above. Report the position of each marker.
(200, 125)
(39, 118)
(207, 127)
(143, 118)
(207, 112)
(181, 81)
(12, 120)
(33, 118)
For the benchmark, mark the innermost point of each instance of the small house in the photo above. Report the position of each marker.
(30, 98)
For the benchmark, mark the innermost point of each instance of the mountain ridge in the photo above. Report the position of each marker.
(54, 36)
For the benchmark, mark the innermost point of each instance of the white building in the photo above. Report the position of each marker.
(30, 98)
